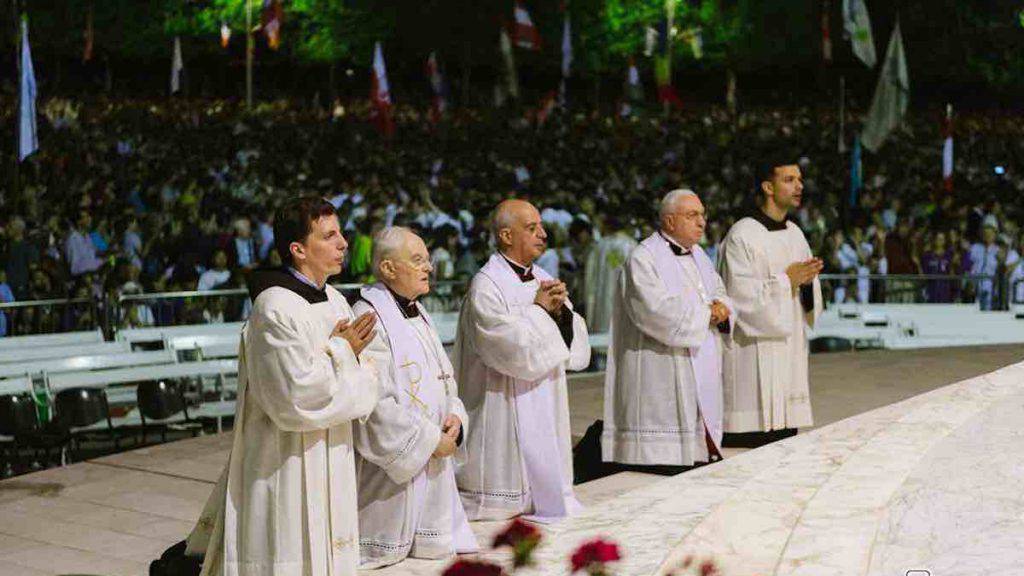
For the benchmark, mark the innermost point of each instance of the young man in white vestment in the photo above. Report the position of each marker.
(286, 502)
(517, 336)
(772, 279)
(408, 502)
(663, 385)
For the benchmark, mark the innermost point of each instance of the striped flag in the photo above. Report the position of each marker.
(947, 149)
(225, 34)
(857, 28)
(380, 93)
(524, 33)
(28, 139)
(505, 44)
(273, 15)
(87, 48)
(440, 103)
(566, 57)
(177, 66)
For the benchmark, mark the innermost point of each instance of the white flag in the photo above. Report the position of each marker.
(566, 59)
(857, 28)
(510, 65)
(28, 140)
(566, 47)
(891, 95)
(177, 66)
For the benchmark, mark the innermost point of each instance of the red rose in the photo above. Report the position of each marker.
(515, 533)
(473, 568)
(708, 568)
(593, 555)
(522, 538)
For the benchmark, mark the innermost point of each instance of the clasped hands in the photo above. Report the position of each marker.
(551, 296)
(450, 431)
(805, 272)
(719, 313)
(358, 333)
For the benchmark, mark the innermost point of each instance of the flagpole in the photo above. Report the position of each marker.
(842, 115)
(249, 41)
(16, 173)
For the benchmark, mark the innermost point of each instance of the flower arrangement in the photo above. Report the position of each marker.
(592, 557)
(523, 538)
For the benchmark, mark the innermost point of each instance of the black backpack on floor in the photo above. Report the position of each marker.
(174, 562)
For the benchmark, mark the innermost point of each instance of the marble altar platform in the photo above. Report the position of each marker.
(908, 472)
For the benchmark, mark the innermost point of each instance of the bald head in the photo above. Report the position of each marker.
(518, 231)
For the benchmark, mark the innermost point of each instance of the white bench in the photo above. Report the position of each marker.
(226, 350)
(103, 378)
(18, 385)
(200, 341)
(81, 363)
(46, 352)
(64, 339)
(166, 333)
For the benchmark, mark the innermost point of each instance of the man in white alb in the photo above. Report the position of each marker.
(663, 386)
(772, 279)
(517, 336)
(409, 505)
(286, 502)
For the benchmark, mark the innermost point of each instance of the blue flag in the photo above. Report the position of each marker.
(856, 175)
(28, 140)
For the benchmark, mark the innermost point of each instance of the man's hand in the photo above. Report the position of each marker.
(805, 272)
(719, 313)
(358, 333)
(445, 447)
(551, 295)
(452, 427)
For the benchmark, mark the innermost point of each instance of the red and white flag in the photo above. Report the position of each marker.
(524, 33)
(947, 149)
(225, 34)
(89, 35)
(380, 93)
(273, 15)
(440, 103)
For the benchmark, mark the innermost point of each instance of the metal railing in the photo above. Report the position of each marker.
(209, 306)
(230, 305)
(989, 292)
(52, 315)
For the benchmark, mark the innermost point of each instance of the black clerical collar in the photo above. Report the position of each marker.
(676, 248)
(265, 278)
(524, 274)
(408, 307)
(768, 222)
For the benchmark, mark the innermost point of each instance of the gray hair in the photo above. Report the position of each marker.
(386, 243)
(501, 218)
(668, 203)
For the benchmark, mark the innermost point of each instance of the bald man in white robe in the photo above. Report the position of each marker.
(517, 336)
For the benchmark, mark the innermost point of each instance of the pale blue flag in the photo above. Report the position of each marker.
(28, 140)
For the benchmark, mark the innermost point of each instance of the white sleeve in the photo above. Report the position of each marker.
(677, 319)
(303, 389)
(523, 342)
(762, 299)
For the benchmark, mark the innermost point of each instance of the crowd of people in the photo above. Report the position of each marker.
(131, 197)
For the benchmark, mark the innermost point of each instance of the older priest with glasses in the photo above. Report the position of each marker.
(408, 503)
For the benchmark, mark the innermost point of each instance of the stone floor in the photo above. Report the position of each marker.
(111, 515)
